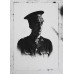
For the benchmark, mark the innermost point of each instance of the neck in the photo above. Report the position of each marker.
(35, 34)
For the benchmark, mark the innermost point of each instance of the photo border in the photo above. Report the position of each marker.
(60, 63)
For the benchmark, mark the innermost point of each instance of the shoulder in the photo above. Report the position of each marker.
(46, 40)
(22, 42)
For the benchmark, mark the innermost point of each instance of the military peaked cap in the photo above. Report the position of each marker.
(33, 15)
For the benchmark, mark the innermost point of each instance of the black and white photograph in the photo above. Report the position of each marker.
(36, 37)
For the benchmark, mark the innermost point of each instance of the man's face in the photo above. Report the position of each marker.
(40, 19)
(37, 22)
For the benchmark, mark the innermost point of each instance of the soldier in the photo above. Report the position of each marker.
(34, 43)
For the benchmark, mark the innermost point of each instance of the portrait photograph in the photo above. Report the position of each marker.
(36, 37)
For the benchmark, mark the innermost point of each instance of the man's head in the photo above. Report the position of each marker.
(35, 19)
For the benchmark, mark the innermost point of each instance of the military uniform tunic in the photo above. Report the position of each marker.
(30, 46)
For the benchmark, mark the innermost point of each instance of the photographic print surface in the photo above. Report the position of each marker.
(36, 36)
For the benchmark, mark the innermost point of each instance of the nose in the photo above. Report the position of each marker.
(41, 19)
